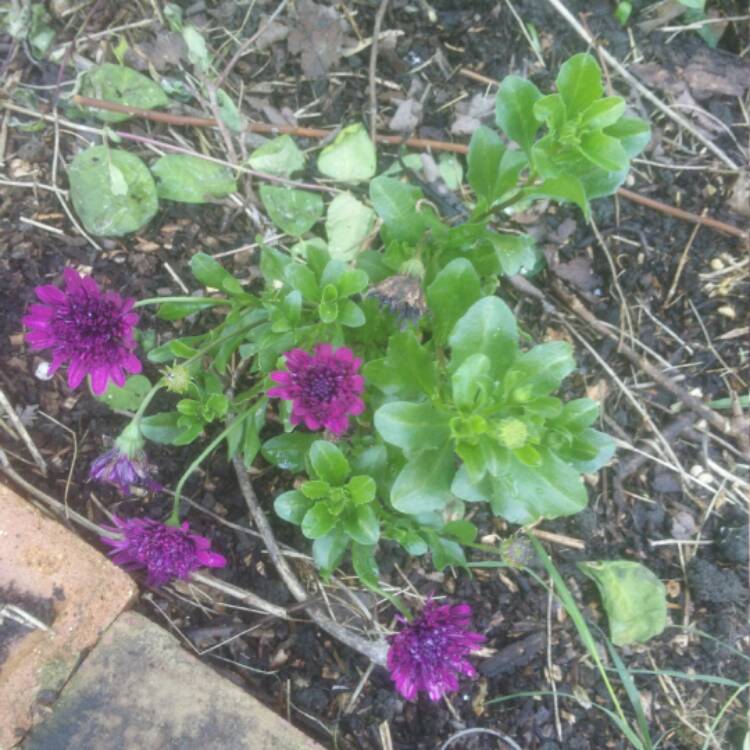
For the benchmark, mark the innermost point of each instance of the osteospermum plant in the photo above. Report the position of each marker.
(376, 367)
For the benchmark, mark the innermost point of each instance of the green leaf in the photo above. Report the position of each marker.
(453, 291)
(351, 281)
(293, 211)
(288, 451)
(515, 252)
(300, 277)
(329, 463)
(408, 368)
(180, 310)
(212, 274)
(229, 113)
(566, 189)
(464, 531)
(396, 204)
(318, 521)
(190, 179)
(197, 50)
(604, 151)
(577, 414)
(633, 597)
(451, 170)
(121, 85)
(315, 489)
(446, 552)
(485, 151)
(411, 426)
(329, 550)
(365, 567)
(514, 110)
(351, 156)
(361, 489)
(280, 156)
(603, 112)
(350, 314)
(551, 110)
(292, 506)
(633, 133)
(539, 371)
(471, 382)
(362, 525)
(161, 427)
(97, 177)
(488, 327)
(348, 223)
(129, 397)
(41, 34)
(579, 83)
(548, 490)
(588, 451)
(424, 483)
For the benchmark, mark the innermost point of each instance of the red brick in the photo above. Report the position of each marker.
(51, 573)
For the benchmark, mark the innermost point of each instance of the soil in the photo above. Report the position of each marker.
(293, 666)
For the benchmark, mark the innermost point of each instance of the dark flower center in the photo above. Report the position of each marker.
(164, 552)
(91, 325)
(321, 383)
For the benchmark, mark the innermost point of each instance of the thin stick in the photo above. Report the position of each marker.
(374, 68)
(636, 84)
(21, 429)
(375, 650)
(427, 143)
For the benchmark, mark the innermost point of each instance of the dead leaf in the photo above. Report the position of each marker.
(317, 36)
(407, 116)
(739, 197)
(166, 50)
(579, 273)
(274, 32)
(683, 525)
(471, 115)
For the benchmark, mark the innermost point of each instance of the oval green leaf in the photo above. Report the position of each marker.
(190, 179)
(112, 191)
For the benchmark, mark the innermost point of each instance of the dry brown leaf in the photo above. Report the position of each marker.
(317, 35)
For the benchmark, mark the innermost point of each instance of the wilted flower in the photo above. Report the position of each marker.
(89, 329)
(117, 468)
(126, 464)
(323, 387)
(165, 552)
(403, 296)
(429, 652)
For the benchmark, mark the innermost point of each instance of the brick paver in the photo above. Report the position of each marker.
(140, 690)
(72, 593)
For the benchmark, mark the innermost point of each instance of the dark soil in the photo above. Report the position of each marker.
(291, 665)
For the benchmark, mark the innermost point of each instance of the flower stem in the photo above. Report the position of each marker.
(174, 518)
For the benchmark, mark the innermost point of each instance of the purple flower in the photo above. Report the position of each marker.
(323, 387)
(90, 329)
(116, 467)
(429, 652)
(166, 552)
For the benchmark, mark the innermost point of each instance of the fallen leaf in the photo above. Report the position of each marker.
(317, 36)
(739, 197)
(472, 114)
(407, 116)
(272, 32)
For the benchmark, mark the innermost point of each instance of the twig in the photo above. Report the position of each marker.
(635, 83)
(562, 539)
(393, 140)
(712, 417)
(245, 46)
(374, 68)
(258, 127)
(23, 432)
(375, 650)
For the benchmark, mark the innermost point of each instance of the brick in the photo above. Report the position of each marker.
(140, 690)
(64, 583)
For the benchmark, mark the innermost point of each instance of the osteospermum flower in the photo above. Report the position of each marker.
(89, 329)
(429, 652)
(323, 387)
(165, 552)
